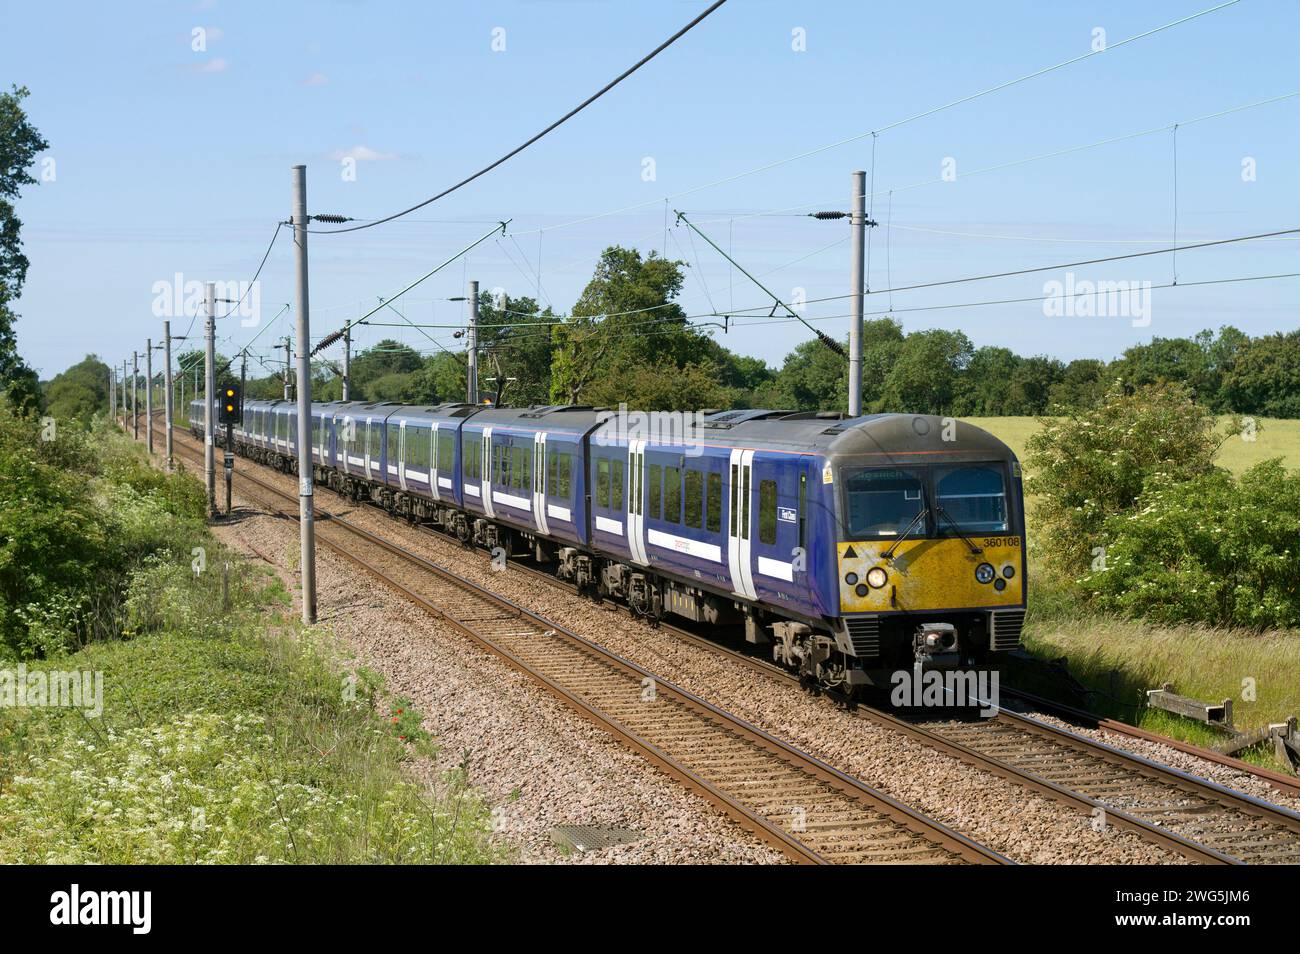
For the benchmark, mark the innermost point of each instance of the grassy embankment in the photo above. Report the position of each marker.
(227, 734)
(1121, 658)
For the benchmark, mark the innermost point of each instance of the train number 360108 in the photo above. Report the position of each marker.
(993, 542)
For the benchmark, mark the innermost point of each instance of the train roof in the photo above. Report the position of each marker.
(827, 433)
(830, 434)
(569, 418)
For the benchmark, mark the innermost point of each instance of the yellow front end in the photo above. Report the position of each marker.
(928, 574)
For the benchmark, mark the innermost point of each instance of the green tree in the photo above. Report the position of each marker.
(1175, 360)
(1265, 377)
(1031, 385)
(79, 392)
(1221, 353)
(1082, 384)
(1093, 463)
(515, 341)
(1213, 549)
(19, 144)
(664, 387)
(443, 378)
(812, 378)
(985, 385)
(625, 318)
(924, 376)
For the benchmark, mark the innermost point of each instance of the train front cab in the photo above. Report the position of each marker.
(930, 554)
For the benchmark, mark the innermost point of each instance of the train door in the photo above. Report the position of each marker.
(636, 501)
(365, 450)
(739, 525)
(401, 454)
(776, 521)
(434, 462)
(485, 472)
(539, 482)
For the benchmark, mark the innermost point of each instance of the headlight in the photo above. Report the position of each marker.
(850, 578)
(877, 577)
(984, 573)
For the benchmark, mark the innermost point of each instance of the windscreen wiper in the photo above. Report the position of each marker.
(920, 516)
(956, 529)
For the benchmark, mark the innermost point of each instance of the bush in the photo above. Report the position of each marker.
(226, 737)
(77, 514)
(1093, 463)
(1211, 549)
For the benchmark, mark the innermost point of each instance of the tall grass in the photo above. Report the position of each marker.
(229, 734)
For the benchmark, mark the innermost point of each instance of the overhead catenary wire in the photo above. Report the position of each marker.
(387, 302)
(555, 125)
(792, 210)
(829, 342)
(1030, 298)
(897, 123)
(560, 320)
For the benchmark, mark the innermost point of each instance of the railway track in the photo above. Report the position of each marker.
(1190, 816)
(1194, 817)
(793, 801)
(1286, 784)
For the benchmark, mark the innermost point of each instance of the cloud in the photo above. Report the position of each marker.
(361, 154)
(217, 64)
(316, 79)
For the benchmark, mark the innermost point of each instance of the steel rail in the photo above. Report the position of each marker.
(1006, 768)
(937, 838)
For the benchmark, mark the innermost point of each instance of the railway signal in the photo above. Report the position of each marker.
(232, 405)
(230, 412)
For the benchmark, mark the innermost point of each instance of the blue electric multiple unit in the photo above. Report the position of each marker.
(853, 547)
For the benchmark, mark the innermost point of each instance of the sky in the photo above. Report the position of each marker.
(173, 127)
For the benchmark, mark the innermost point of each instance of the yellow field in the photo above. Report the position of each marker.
(1274, 437)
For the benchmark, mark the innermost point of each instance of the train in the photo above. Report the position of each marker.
(852, 547)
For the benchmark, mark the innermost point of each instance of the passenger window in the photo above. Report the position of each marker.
(694, 498)
(616, 485)
(552, 468)
(803, 505)
(744, 503)
(566, 484)
(602, 483)
(446, 450)
(656, 483)
(394, 447)
(767, 511)
(521, 461)
(672, 495)
(735, 495)
(714, 517)
(424, 442)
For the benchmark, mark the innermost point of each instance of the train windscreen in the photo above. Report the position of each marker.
(973, 496)
(882, 502)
